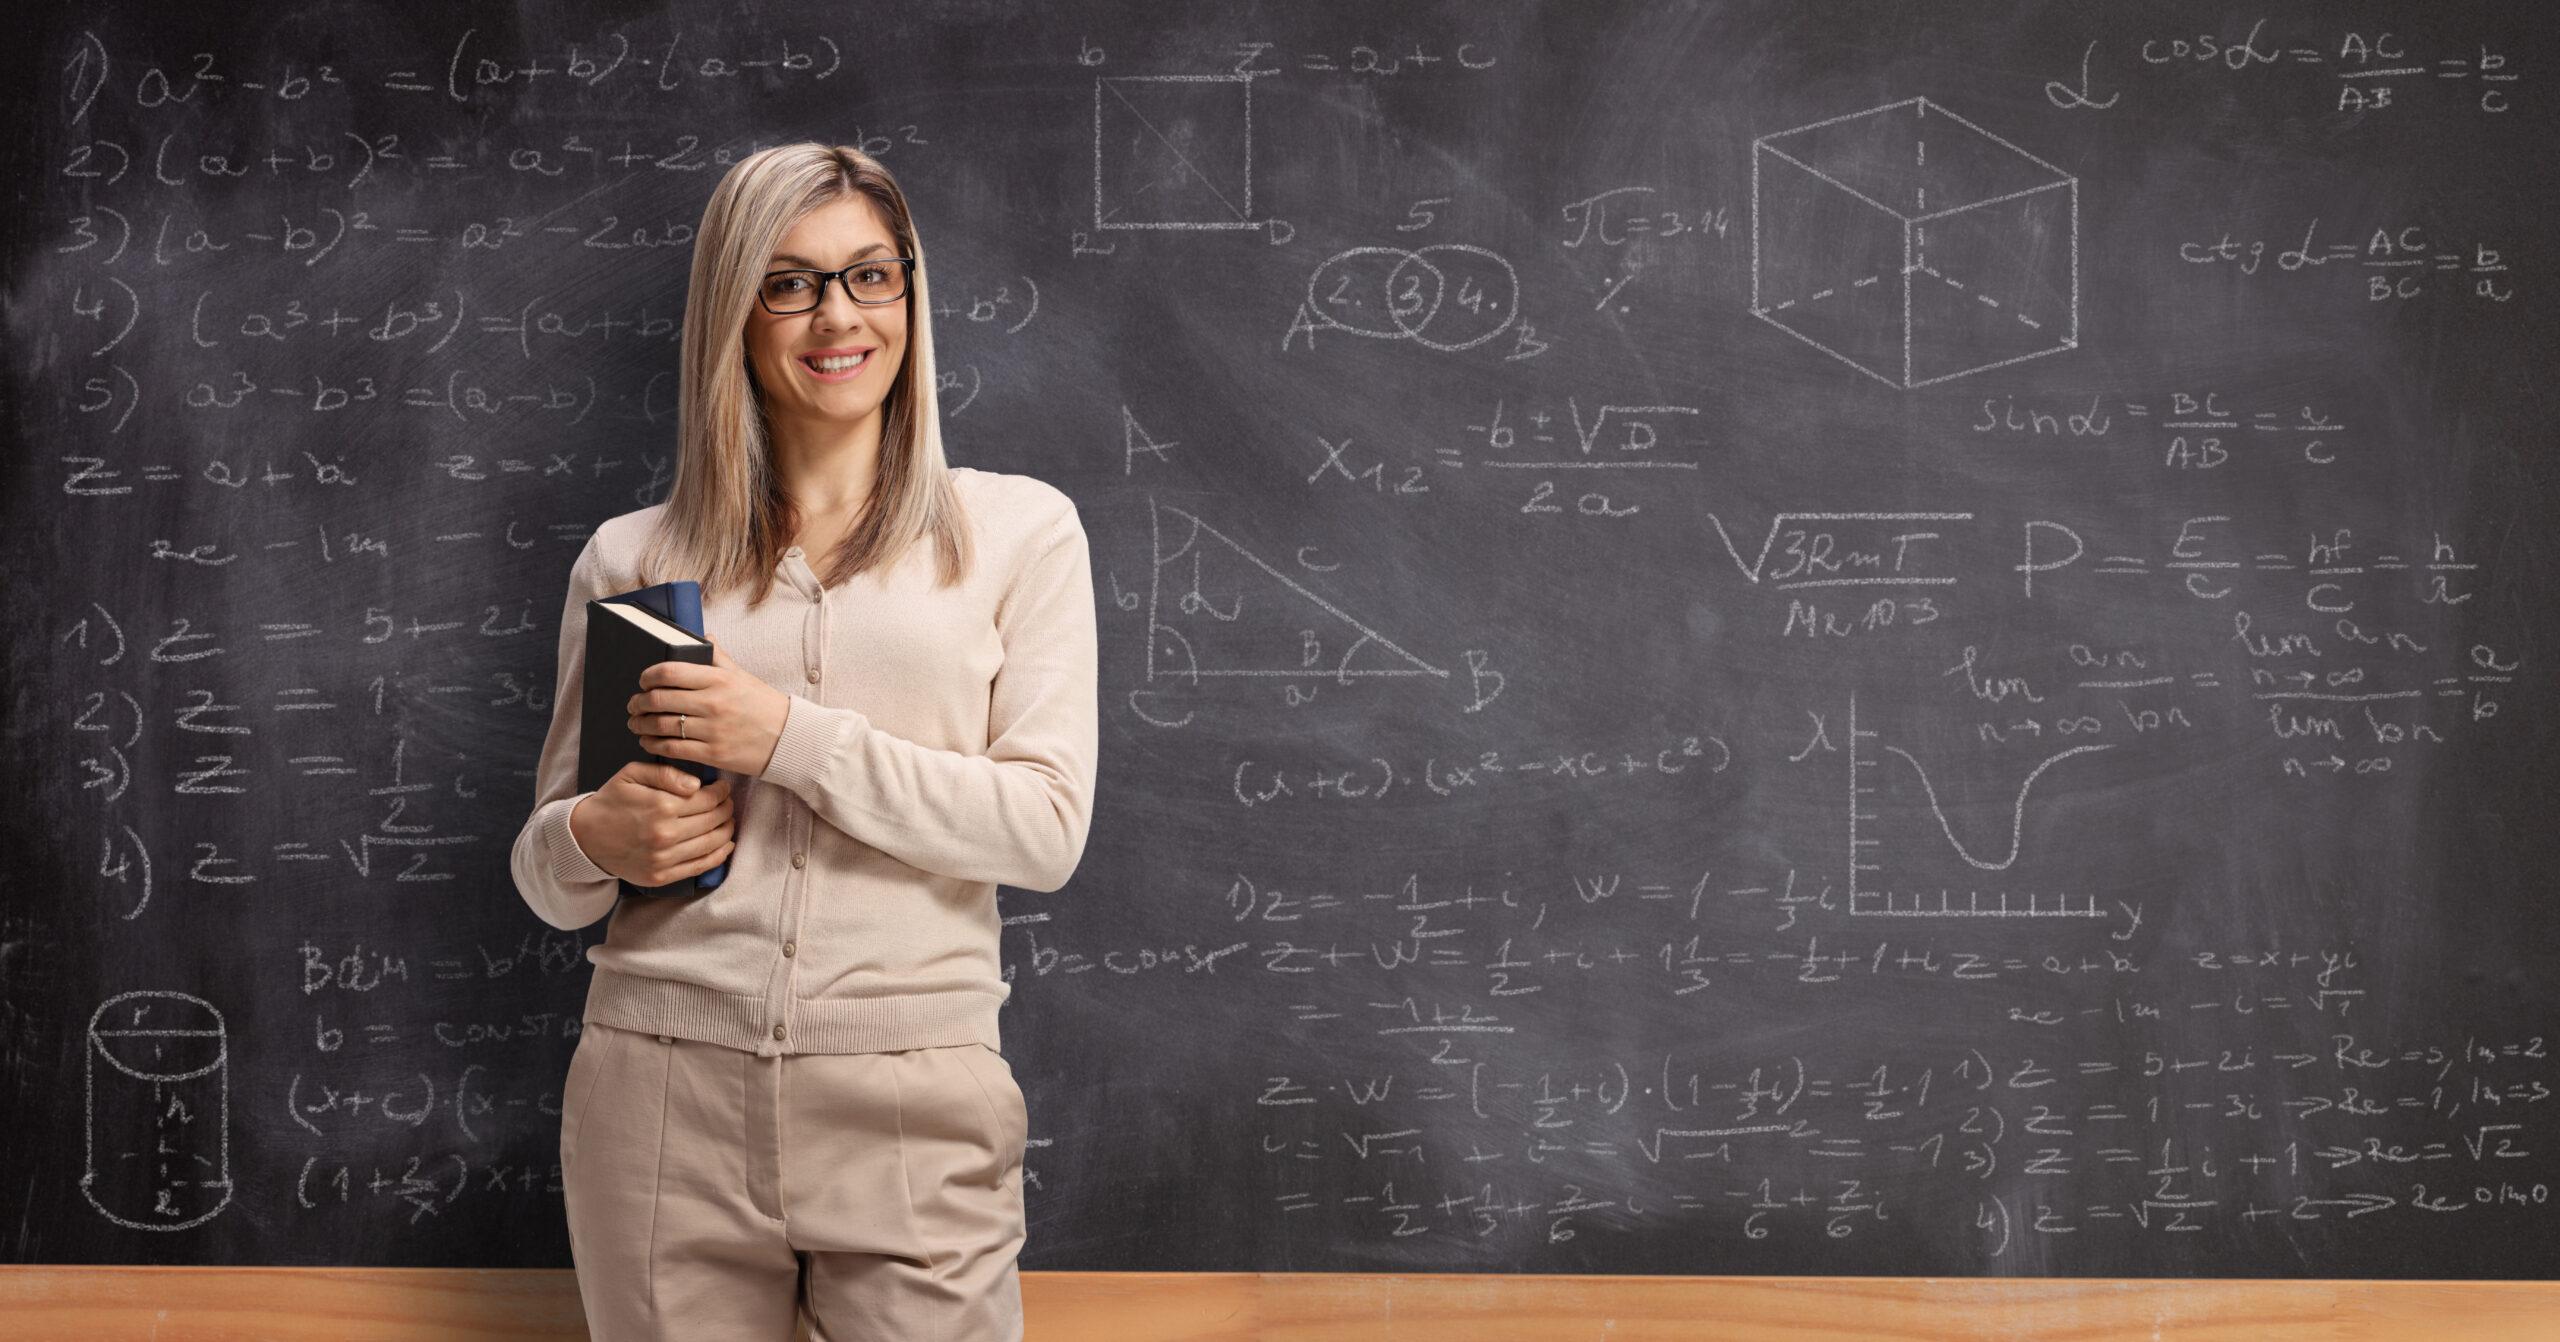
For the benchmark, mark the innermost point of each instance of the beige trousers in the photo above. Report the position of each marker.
(715, 1194)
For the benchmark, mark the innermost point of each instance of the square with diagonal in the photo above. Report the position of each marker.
(1173, 151)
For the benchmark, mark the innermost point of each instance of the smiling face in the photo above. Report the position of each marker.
(829, 369)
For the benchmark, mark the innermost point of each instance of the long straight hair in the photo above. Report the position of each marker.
(728, 517)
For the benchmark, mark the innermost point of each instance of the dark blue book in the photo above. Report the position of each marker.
(678, 603)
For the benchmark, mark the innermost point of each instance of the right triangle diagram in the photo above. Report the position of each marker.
(1215, 608)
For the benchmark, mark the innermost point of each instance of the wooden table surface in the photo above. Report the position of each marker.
(77, 1304)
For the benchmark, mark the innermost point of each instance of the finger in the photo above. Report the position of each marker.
(707, 861)
(693, 829)
(676, 675)
(650, 774)
(664, 699)
(664, 777)
(690, 751)
(712, 800)
(695, 846)
(668, 865)
(664, 722)
(702, 797)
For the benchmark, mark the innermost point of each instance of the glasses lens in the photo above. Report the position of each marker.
(790, 291)
(878, 283)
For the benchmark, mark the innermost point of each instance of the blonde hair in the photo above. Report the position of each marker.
(727, 519)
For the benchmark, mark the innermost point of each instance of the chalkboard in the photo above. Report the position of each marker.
(1808, 638)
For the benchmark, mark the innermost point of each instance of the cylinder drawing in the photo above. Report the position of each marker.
(158, 1111)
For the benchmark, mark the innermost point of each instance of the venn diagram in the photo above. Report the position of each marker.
(1447, 296)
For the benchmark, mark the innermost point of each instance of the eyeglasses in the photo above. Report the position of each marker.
(870, 281)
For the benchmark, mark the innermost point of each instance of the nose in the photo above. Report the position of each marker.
(836, 307)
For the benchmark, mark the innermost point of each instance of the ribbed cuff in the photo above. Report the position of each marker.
(570, 864)
(813, 738)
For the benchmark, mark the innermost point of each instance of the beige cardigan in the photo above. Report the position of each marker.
(939, 741)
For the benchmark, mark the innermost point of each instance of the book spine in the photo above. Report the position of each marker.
(684, 608)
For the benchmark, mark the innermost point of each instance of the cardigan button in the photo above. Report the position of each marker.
(791, 948)
(799, 859)
(813, 675)
(777, 1032)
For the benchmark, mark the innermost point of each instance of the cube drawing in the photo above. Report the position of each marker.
(1914, 245)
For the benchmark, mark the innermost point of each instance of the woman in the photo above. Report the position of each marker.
(788, 1095)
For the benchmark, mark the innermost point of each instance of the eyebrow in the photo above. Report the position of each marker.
(804, 261)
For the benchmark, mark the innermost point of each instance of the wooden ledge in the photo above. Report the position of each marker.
(199, 1304)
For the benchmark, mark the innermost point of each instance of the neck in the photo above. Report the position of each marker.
(827, 468)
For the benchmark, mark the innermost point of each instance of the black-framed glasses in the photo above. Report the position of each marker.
(871, 281)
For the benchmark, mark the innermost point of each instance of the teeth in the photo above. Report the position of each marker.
(837, 364)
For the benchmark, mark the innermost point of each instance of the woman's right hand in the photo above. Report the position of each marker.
(653, 824)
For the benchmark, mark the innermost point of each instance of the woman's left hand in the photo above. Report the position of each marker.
(731, 719)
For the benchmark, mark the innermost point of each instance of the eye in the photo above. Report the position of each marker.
(786, 282)
(871, 275)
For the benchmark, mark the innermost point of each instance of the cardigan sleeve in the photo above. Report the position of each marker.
(1017, 814)
(564, 887)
